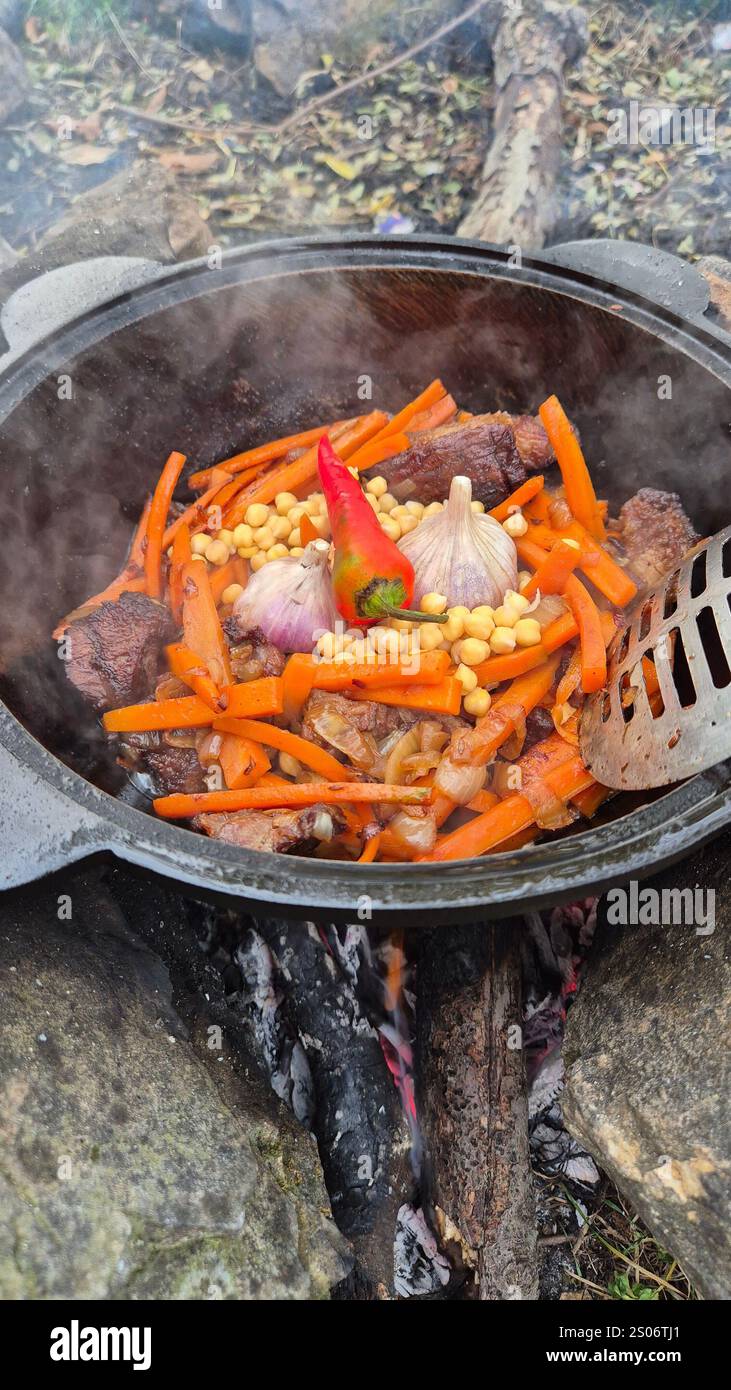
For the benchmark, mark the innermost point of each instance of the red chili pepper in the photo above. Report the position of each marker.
(372, 579)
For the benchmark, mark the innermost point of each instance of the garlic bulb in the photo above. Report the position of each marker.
(291, 600)
(465, 555)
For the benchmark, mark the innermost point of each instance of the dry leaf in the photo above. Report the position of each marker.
(157, 100)
(183, 163)
(32, 30)
(88, 127)
(342, 167)
(87, 154)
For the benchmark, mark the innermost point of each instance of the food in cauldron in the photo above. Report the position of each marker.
(391, 668)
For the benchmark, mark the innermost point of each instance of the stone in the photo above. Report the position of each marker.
(648, 1069)
(14, 84)
(127, 1169)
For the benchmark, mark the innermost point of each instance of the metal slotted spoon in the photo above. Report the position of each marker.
(633, 740)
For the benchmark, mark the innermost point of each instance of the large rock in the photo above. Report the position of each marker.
(649, 1074)
(130, 1165)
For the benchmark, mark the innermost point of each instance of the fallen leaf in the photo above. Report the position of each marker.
(87, 154)
(342, 167)
(157, 100)
(32, 30)
(183, 163)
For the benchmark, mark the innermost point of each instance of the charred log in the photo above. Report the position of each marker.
(472, 1106)
(361, 1131)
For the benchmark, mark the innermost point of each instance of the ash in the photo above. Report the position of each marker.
(420, 1268)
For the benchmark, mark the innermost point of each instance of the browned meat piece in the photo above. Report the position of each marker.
(172, 769)
(252, 655)
(114, 651)
(486, 453)
(656, 534)
(530, 438)
(276, 831)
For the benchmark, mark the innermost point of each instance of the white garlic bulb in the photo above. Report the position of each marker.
(460, 553)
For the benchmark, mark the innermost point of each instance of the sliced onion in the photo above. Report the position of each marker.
(340, 733)
(406, 746)
(549, 811)
(459, 781)
(551, 606)
(415, 830)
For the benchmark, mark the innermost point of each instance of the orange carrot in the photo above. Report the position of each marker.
(504, 668)
(242, 762)
(378, 451)
(578, 486)
(189, 668)
(130, 580)
(251, 699)
(289, 477)
(182, 553)
(440, 413)
(307, 530)
(444, 698)
(318, 759)
(161, 500)
(398, 423)
(563, 629)
(523, 494)
(510, 817)
(180, 806)
(202, 630)
(598, 566)
(570, 679)
(235, 571)
(371, 849)
(552, 573)
(261, 454)
(428, 668)
(477, 746)
(197, 511)
(591, 635)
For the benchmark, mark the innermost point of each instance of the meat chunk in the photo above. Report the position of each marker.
(656, 533)
(481, 449)
(354, 729)
(278, 832)
(172, 768)
(114, 650)
(252, 655)
(530, 437)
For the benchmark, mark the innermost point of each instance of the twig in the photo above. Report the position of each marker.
(123, 37)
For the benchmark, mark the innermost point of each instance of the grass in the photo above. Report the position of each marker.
(75, 19)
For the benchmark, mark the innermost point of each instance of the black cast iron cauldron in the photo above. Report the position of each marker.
(208, 359)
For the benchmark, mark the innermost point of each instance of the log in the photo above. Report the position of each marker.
(535, 41)
(360, 1128)
(471, 1103)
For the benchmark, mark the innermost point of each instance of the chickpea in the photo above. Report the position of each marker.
(388, 502)
(517, 601)
(369, 497)
(505, 616)
(515, 525)
(263, 537)
(257, 561)
(433, 508)
(217, 553)
(280, 527)
(430, 636)
(231, 594)
(433, 603)
(502, 641)
(401, 624)
(386, 642)
(243, 535)
(296, 513)
(359, 650)
(416, 509)
(477, 626)
(322, 525)
(297, 550)
(200, 543)
(466, 677)
(287, 764)
(257, 515)
(284, 501)
(477, 702)
(295, 537)
(199, 557)
(227, 537)
(408, 523)
(399, 511)
(277, 552)
(527, 632)
(247, 551)
(377, 486)
(524, 577)
(473, 651)
(454, 626)
(477, 507)
(327, 645)
(392, 528)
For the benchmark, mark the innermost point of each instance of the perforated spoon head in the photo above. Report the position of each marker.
(634, 737)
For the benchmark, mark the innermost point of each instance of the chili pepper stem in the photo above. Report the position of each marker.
(391, 610)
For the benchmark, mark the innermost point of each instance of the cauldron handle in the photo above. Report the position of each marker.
(41, 829)
(638, 269)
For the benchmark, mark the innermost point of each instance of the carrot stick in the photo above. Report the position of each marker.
(598, 566)
(251, 699)
(517, 663)
(578, 486)
(288, 477)
(591, 635)
(477, 746)
(235, 571)
(318, 759)
(182, 554)
(552, 573)
(429, 668)
(261, 454)
(202, 631)
(378, 451)
(429, 397)
(307, 530)
(180, 806)
(242, 762)
(371, 849)
(563, 629)
(510, 817)
(444, 698)
(189, 668)
(161, 500)
(523, 494)
(438, 414)
(197, 511)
